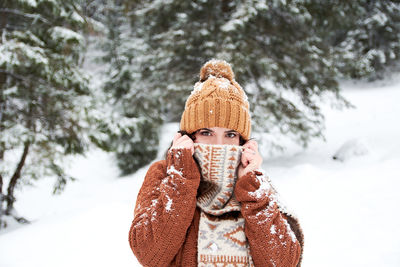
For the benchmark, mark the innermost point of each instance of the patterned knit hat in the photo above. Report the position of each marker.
(217, 100)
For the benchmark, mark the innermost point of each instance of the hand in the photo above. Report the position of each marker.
(251, 159)
(183, 141)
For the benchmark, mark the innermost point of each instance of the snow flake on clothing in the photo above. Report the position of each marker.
(289, 230)
(177, 150)
(265, 186)
(169, 204)
(264, 215)
(150, 213)
(266, 190)
(197, 87)
(223, 83)
(171, 170)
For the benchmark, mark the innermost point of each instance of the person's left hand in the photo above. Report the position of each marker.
(251, 159)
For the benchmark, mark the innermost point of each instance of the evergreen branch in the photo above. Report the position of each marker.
(27, 15)
(36, 79)
(19, 77)
(14, 28)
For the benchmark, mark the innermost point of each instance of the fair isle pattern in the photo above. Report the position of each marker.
(218, 165)
(221, 242)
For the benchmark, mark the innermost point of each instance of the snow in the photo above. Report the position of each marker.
(289, 231)
(224, 83)
(272, 229)
(169, 203)
(171, 170)
(64, 34)
(351, 148)
(31, 3)
(262, 191)
(231, 25)
(197, 88)
(348, 210)
(10, 48)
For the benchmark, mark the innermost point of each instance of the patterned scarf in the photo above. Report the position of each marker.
(221, 241)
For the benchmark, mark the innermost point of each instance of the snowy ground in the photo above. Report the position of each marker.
(348, 210)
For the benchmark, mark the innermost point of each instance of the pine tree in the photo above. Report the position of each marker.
(45, 101)
(281, 62)
(133, 101)
(372, 45)
(286, 54)
(364, 35)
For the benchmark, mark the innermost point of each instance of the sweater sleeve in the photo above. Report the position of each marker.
(164, 209)
(272, 240)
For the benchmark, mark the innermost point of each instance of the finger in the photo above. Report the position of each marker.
(249, 151)
(244, 160)
(253, 145)
(185, 142)
(250, 148)
(250, 157)
(246, 145)
(240, 170)
(186, 138)
(181, 139)
(176, 137)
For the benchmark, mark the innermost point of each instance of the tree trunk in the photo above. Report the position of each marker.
(1, 191)
(1, 202)
(10, 199)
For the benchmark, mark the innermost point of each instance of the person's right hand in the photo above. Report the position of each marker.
(183, 141)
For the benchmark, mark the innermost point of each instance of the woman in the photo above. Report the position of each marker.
(208, 203)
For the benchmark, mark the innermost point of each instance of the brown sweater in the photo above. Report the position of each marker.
(165, 227)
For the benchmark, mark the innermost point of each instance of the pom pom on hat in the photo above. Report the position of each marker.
(218, 69)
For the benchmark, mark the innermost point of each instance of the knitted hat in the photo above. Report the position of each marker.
(217, 100)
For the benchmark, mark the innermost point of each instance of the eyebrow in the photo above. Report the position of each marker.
(206, 129)
(229, 131)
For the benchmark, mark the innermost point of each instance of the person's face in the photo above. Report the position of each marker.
(217, 136)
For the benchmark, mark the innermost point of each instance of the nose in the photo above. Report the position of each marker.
(219, 140)
(216, 140)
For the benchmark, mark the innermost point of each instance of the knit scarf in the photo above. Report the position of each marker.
(221, 240)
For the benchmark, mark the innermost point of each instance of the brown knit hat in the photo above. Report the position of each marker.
(217, 100)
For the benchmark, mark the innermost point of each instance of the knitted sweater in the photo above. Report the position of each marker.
(165, 227)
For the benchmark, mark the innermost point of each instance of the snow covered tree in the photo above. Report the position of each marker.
(286, 54)
(129, 96)
(364, 35)
(277, 57)
(45, 102)
(373, 43)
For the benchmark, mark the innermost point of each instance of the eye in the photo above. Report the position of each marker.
(205, 133)
(231, 135)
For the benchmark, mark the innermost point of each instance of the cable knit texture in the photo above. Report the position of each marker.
(164, 231)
